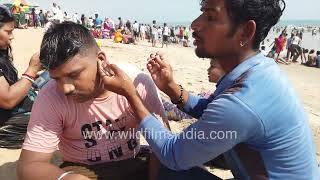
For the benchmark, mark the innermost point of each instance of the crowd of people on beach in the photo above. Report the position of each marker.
(128, 32)
(292, 47)
(86, 96)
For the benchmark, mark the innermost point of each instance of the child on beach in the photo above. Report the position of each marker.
(215, 73)
(311, 58)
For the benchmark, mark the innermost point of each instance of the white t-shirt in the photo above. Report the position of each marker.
(54, 10)
(111, 23)
(59, 16)
(142, 29)
(166, 31)
(136, 27)
(264, 52)
(154, 29)
(75, 18)
(296, 40)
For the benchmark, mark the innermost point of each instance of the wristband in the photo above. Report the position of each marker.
(64, 174)
(31, 77)
(180, 101)
(28, 78)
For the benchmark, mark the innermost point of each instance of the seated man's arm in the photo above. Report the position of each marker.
(35, 165)
(192, 105)
(225, 123)
(44, 130)
(195, 105)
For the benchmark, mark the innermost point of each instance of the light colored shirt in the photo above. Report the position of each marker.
(136, 27)
(154, 29)
(254, 118)
(93, 132)
(142, 29)
(75, 18)
(166, 31)
(296, 40)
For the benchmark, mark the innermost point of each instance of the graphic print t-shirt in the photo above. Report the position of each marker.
(93, 132)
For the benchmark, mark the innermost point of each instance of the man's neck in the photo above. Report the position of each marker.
(231, 62)
(103, 94)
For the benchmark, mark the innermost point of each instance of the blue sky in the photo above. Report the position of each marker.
(167, 10)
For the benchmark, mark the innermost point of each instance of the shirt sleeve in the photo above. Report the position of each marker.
(45, 126)
(196, 105)
(226, 122)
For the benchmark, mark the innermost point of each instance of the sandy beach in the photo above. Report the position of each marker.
(189, 70)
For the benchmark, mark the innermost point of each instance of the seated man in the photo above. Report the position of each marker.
(318, 59)
(74, 112)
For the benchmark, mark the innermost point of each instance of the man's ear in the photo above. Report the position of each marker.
(247, 32)
(102, 57)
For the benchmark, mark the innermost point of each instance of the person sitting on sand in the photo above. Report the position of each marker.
(311, 58)
(96, 32)
(300, 52)
(90, 125)
(255, 100)
(272, 52)
(16, 98)
(215, 73)
(128, 37)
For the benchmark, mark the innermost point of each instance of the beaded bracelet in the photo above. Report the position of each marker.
(180, 101)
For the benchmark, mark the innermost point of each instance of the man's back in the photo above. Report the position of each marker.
(296, 40)
(136, 27)
(283, 146)
(98, 22)
(166, 31)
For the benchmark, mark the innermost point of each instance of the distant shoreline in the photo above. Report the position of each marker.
(281, 23)
(300, 22)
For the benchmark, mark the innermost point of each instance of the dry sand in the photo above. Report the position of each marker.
(190, 71)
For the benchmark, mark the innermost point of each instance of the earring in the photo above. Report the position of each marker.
(241, 44)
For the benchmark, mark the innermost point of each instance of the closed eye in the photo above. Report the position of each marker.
(74, 75)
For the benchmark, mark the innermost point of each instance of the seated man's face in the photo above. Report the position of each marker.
(78, 77)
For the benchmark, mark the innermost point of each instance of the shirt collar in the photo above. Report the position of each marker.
(226, 81)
